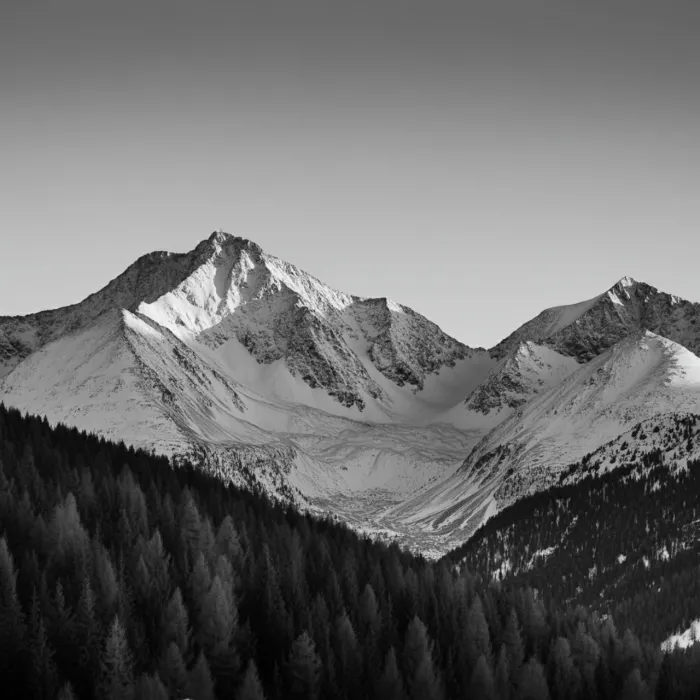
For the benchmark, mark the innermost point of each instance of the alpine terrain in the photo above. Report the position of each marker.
(362, 408)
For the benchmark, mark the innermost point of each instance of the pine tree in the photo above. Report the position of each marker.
(512, 639)
(201, 683)
(66, 692)
(175, 624)
(635, 688)
(503, 685)
(44, 674)
(150, 687)
(532, 684)
(251, 688)
(348, 667)
(218, 622)
(190, 527)
(87, 637)
(390, 685)
(12, 626)
(665, 685)
(370, 620)
(421, 677)
(61, 628)
(630, 654)
(173, 672)
(107, 587)
(478, 638)
(228, 543)
(562, 674)
(199, 584)
(481, 684)
(116, 679)
(303, 669)
(425, 684)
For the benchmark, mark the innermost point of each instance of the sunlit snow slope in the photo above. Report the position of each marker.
(232, 356)
(357, 407)
(642, 376)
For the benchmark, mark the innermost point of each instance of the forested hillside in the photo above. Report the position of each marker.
(623, 543)
(123, 577)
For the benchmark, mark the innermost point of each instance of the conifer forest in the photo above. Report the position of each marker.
(124, 576)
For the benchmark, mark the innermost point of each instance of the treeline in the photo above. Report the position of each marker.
(624, 543)
(122, 577)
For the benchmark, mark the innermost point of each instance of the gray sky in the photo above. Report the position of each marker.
(475, 160)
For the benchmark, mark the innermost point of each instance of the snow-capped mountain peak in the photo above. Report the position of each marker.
(362, 406)
(586, 329)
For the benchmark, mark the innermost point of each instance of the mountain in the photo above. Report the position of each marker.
(123, 577)
(586, 329)
(362, 408)
(641, 377)
(617, 532)
(258, 370)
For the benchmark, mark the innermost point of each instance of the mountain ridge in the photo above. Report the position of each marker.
(359, 406)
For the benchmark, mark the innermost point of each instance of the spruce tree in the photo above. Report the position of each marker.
(201, 682)
(150, 687)
(66, 692)
(390, 685)
(635, 688)
(12, 625)
(563, 676)
(502, 680)
(346, 654)
(481, 684)
(512, 638)
(44, 674)
(532, 684)
(303, 669)
(421, 677)
(175, 624)
(173, 672)
(251, 688)
(116, 676)
(477, 636)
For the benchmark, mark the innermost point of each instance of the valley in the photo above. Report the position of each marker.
(356, 408)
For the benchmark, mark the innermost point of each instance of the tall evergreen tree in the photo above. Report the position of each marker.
(346, 653)
(251, 688)
(502, 680)
(532, 684)
(173, 672)
(512, 638)
(116, 680)
(421, 677)
(43, 674)
(481, 684)
(477, 636)
(66, 692)
(390, 684)
(150, 687)
(635, 688)
(175, 624)
(303, 669)
(12, 621)
(562, 674)
(201, 682)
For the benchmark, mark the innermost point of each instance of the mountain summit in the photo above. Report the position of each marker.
(586, 329)
(361, 407)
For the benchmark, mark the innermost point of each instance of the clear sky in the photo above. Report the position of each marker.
(476, 160)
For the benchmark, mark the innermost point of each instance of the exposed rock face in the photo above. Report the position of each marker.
(526, 371)
(358, 407)
(642, 377)
(587, 329)
(257, 370)
(228, 287)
